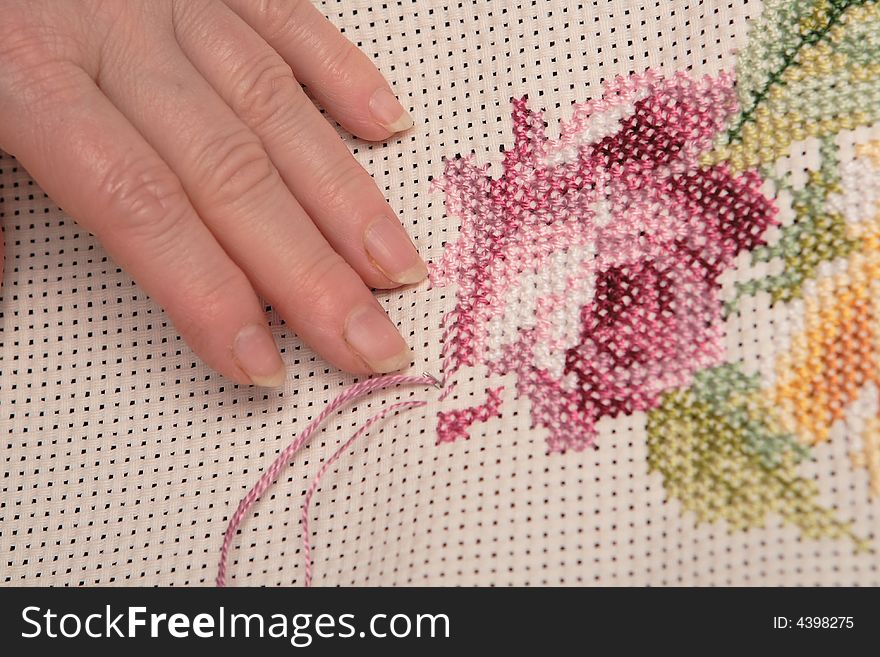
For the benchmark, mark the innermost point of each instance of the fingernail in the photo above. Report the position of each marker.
(376, 340)
(388, 112)
(391, 250)
(255, 352)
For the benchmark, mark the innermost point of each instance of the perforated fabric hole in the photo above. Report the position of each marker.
(123, 455)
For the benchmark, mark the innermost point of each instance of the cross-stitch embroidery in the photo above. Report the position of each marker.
(589, 269)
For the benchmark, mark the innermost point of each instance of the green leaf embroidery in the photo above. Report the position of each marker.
(816, 235)
(811, 69)
(723, 456)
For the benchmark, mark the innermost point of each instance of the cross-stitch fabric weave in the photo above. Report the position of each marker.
(654, 237)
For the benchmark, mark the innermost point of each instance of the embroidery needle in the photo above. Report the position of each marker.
(437, 382)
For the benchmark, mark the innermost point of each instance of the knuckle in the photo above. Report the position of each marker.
(147, 195)
(267, 89)
(206, 304)
(235, 166)
(32, 69)
(33, 34)
(341, 181)
(314, 280)
(41, 86)
(342, 60)
(27, 34)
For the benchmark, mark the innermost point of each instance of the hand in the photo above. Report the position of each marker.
(178, 133)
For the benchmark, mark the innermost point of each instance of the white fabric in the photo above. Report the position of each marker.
(123, 455)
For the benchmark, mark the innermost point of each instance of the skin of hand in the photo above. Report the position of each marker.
(178, 132)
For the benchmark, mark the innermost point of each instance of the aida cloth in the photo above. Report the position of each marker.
(654, 235)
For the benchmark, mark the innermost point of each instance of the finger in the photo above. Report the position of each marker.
(336, 72)
(239, 194)
(315, 164)
(89, 158)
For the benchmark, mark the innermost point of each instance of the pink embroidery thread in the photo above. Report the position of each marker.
(268, 478)
(454, 425)
(589, 269)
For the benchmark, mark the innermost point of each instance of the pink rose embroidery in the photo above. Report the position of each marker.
(590, 268)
